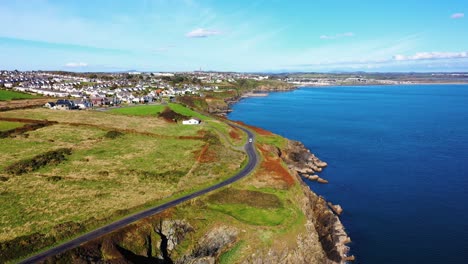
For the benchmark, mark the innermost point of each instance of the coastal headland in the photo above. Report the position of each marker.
(270, 216)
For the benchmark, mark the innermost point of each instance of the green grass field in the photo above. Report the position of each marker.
(6, 125)
(154, 110)
(149, 162)
(11, 95)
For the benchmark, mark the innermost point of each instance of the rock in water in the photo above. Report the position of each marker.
(314, 177)
(336, 208)
(321, 180)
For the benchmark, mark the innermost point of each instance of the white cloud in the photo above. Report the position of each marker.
(342, 35)
(432, 56)
(202, 33)
(458, 15)
(76, 64)
(421, 59)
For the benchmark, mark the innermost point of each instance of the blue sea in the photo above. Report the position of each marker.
(398, 163)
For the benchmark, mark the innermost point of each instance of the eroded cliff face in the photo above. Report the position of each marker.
(210, 246)
(276, 87)
(152, 240)
(222, 106)
(331, 232)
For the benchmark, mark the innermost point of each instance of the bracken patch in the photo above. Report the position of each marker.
(207, 155)
(234, 134)
(258, 130)
(271, 165)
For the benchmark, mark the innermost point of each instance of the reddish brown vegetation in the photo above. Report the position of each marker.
(207, 155)
(234, 135)
(271, 166)
(258, 130)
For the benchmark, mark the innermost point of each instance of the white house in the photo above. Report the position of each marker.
(191, 121)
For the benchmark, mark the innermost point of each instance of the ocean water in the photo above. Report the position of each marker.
(398, 163)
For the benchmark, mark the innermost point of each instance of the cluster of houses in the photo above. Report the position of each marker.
(64, 104)
(90, 90)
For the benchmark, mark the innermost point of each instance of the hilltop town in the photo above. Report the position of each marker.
(90, 89)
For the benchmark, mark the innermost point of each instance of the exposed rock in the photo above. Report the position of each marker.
(330, 230)
(314, 177)
(175, 231)
(299, 158)
(331, 233)
(321, 180)
(336, 208)
(151, 240)
(215, 242)
(321, 164)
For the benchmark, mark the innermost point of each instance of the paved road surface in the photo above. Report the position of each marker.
(253, 160)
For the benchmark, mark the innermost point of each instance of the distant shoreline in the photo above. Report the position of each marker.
(376, 84)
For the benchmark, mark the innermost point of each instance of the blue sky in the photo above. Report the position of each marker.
(241, 35)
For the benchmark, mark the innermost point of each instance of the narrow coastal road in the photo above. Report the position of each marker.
(252, 163)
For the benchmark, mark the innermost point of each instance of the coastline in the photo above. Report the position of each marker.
(311, 85)
(322, 213)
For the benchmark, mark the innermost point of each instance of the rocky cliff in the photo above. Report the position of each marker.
(222, 106)
(275, 87)
(331, 232)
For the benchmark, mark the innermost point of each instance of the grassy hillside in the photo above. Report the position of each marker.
(125, 160)
(118, 164)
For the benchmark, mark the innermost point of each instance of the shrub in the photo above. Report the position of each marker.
(103, 173)
(169, 115)
(49, 158)
(113, 134)
(54, 178)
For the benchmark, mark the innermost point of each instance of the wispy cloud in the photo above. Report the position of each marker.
(432, 56)
(438, 59)
(202, 33)
(457, 15)
(76, 64)
(336, 36)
